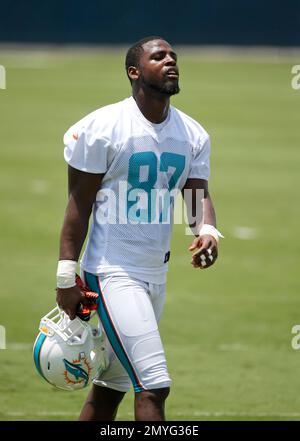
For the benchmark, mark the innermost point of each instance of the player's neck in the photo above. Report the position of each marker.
(154, 107)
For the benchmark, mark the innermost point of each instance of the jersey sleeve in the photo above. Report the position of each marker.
(200, 165)
(84, 149)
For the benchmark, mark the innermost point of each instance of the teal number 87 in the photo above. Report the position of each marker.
(149, 159)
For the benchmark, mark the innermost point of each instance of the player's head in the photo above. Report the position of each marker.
(151, 63)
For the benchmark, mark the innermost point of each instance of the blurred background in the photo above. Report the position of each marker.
(227, 330)
(233, 22)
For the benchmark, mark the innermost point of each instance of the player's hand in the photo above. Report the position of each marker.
(71, 299)
(206, 251)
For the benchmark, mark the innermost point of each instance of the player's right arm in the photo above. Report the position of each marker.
(83, 188)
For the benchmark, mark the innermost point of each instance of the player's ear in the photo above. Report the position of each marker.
(133, 73)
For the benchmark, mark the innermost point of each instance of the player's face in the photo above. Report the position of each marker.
(158, 68)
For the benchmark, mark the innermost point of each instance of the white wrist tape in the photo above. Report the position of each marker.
(211, 230)
(66, 272)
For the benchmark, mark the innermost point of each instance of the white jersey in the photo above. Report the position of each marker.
(137, 158)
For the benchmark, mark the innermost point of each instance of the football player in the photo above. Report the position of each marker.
(147, 145)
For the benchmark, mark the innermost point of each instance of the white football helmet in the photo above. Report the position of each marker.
(69, 353)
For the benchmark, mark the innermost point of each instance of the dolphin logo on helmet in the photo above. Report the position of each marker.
(77, 371)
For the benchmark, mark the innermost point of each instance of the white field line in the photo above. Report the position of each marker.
(15, 346)
(48, 51)
(226, 347)
(241, 414)
(33, 62)
(235, 347)
(39, 186)
(207, 414)
(245, 233)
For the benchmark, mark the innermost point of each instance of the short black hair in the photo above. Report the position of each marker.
(135, 51)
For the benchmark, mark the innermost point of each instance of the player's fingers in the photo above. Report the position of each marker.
(211, 254)
(91, 296)
(206, 253)
(71, 313)
(198, 260)
(205, 241)
(200, 252)
(210, 250)
(61, 304)
(204, 258)
(209, 243)
(195, 244)
(201, 262)
(88, 298)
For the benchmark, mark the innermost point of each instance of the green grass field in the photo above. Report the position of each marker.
(227, 330)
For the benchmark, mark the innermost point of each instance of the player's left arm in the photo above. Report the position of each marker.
(206, 243)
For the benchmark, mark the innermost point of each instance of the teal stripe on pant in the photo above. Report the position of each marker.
(93, 283)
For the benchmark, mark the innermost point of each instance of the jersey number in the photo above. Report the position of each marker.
(149, 160)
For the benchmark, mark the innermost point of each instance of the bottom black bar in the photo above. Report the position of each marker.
(144, 430)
